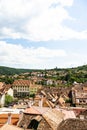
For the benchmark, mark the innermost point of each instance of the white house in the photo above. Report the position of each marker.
(5, 90)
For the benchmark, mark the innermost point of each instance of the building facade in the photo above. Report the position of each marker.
(79, 95)
(21, 88)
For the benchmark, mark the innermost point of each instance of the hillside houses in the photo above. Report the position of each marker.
(51, 116)
(24, 88)
(44, 102)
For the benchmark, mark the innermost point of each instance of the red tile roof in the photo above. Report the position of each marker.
(1, 85)
(4, 118)
(36, 110)
(31, 110)
(21, 82)
(5, 88)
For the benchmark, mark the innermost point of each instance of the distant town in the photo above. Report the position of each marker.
(54, 99)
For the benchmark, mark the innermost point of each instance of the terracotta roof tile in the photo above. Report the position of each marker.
(21, 82)
(53, 117)
(31, 110)
(36, 110)
(1, 85)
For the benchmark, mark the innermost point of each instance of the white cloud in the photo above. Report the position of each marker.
(36, 20)
(9, 32)
(18, 56)
(74, 59)
(47, 26)
(13, 55)
(66, 2)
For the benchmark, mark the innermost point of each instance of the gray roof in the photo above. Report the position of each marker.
(73, 124)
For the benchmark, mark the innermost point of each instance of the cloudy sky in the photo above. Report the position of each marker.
(43, 33)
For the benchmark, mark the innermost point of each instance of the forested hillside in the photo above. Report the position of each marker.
(12, 71)
(78, 74)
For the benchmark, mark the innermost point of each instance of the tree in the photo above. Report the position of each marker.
(67, 77)
(8, 99)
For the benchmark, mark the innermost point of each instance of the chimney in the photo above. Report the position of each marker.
(41, 102)
(9, 118)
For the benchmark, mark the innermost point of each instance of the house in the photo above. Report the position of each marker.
(79, 95)
(21, 88)
(53, 118)
(32, 117)
(41, 118)
(82, 115)
(33, 89)
(49, 82)
(68, 113)
(78, 111)
(6, 89)
(61, 101)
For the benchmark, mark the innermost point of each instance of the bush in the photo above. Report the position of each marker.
(8, 99)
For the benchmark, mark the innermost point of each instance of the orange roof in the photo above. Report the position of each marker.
(36, 110)
(1, 85)
(31, 110)
(5, 88)
(21, 82)
(6, 115)
(4, 118)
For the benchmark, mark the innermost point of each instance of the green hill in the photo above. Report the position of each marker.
(78, 74)
(12, 71)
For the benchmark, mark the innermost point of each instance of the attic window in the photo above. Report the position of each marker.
(80, 100)
(35, 122)
(84, 101)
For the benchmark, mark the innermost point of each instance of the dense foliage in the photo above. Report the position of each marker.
(12, 71)
(8, 99)
(78, 74)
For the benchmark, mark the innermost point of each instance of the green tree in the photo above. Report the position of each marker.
(8, 99)
(67, 77)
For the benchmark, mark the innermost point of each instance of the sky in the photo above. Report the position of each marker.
(43, 34)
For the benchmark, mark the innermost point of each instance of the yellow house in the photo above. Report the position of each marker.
(33, 89)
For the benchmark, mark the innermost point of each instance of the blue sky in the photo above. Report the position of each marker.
(43, 33)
